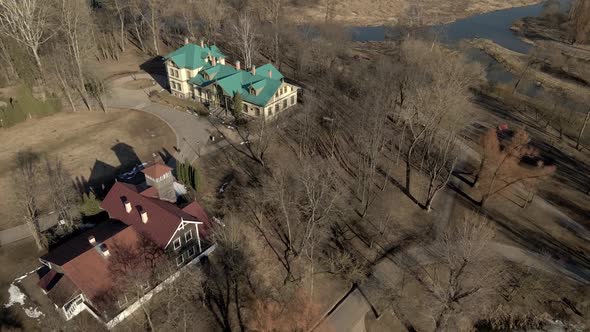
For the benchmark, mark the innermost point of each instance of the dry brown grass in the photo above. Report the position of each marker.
(378, 12)
(80, 139)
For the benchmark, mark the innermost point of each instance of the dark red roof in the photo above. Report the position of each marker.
(156, 170)
(150, 192)
(163, 217)
(84, 265)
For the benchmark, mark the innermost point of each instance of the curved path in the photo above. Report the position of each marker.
(192, 132)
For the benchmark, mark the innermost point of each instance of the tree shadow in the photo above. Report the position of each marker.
(103, 175)
(536, 240)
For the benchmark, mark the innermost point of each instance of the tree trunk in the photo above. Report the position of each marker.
(155, 34)
(137, 34)
(581, 133)
(37, 60)
(35, 233)
(122, 21)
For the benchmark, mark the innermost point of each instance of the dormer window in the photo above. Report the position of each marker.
(206, 76)
(252, 91)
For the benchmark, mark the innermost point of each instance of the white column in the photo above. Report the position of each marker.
(198, 238)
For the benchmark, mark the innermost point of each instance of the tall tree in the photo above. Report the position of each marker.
(273, 10)
(28, 186)
(246, 36)
(75, 25)
(28, 22)
(63, 195)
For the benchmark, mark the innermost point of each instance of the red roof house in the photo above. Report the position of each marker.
(80, 271)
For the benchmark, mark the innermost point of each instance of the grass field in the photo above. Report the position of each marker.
(24, 106)
(92, 145)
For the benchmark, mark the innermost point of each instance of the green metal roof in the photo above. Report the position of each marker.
(231, 80)
(263, 71)
(191, 56)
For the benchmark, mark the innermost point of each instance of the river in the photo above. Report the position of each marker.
(493, 25)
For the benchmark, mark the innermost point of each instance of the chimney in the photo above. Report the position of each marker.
(185, 40)
(92, 240)
(253, 69)
(238, 65)
(202, 43)
(104, 250)
(270, 73)
(222, 61)
(128, 207)
(214, 62)
(144, 217)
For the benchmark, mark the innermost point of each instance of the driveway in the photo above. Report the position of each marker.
(192, 132)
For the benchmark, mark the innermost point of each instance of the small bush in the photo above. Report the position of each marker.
(90, 205)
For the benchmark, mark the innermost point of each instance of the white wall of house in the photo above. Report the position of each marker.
(178, 79)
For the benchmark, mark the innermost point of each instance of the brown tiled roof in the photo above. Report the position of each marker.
(84, 265)
(156, 170)
(163, 217)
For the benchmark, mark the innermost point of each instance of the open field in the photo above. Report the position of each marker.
(383, 12)
(92, 145)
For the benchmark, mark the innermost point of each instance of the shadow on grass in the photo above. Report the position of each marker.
(536, 240)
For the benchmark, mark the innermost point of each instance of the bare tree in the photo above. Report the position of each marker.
(433, 91)
(439, 156)
(64, 197)
(298, 208)
(75, 25)
(27, 181)
(298, 314)
(457, 267)
(503, 166)
(120, 7)
(212, 13)
(274, 11)
(246, 33)
(28, 22)
(579, 17)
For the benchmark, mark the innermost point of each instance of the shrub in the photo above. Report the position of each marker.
(90, 205)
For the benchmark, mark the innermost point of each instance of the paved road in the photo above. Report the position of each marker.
(349, 315)
(192, 132)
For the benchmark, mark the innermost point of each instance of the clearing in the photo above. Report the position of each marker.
(92, 145)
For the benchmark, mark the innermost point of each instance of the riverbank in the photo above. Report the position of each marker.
(522, 64)
(387, 12)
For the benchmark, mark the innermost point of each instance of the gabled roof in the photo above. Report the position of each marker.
(234, 81)
(264, 69)
(191, 56)
(163, 217)
(84, 265)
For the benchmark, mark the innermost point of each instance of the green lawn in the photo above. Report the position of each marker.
(24, 105)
